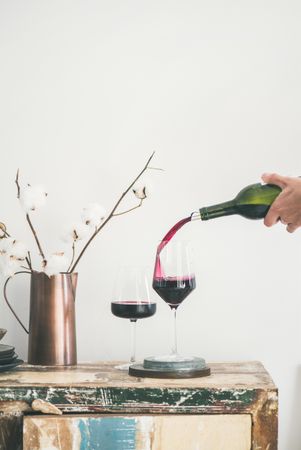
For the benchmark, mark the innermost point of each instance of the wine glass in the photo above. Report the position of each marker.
(173, 280)
(131, 300)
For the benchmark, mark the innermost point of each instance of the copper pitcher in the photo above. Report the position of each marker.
(52, 334)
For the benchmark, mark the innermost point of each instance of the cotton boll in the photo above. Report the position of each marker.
(55, 264)
(13, 249)
(76, 233)
(93, 214)
(12, 254)
(8, 266)
(141, 192)
(18, 250)
(32, 197)
(5, 245)
(80, 231)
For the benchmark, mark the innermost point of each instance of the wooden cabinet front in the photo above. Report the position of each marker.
(164, 432)
(235, 408)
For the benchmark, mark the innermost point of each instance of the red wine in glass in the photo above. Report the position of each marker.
(131, 300)
(173, 290)
(133, 310)
(173, 279)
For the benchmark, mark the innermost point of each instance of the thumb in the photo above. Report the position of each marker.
(274, 178)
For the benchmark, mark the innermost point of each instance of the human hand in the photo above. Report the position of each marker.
(287, 206)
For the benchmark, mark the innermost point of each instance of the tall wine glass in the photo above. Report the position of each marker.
(131, 300)
(173, 280)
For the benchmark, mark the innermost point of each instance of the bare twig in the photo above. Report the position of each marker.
(128, 210)
(30, 224)
(29, 264)
(35, 236)
(17, 183)
(73, 256)
(112, 212)
(28, 260)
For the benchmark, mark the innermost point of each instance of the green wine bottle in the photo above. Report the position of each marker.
(252, 202)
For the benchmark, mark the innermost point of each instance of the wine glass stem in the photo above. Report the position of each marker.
(133, 341)
(174, 350)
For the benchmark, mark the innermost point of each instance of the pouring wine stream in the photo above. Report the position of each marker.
(158, 272)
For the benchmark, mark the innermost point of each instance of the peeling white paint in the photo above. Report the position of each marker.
(145, 430)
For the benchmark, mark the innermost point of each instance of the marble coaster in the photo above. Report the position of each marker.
(138, 370)
(171, 362)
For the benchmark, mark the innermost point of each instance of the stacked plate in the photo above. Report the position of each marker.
(8, 358)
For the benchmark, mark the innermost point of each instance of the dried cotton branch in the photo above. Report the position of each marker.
(38, 194)
(112, 213)
(93, 217)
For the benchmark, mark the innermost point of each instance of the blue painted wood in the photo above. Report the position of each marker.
(116, 433)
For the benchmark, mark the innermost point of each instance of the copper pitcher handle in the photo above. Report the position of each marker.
(9, 305)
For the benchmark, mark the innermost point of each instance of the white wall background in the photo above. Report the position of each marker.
(88, 89)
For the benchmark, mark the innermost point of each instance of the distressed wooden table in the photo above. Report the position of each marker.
(99, 407)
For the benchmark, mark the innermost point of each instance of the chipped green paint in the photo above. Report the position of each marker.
(126, 398)
(233, 388)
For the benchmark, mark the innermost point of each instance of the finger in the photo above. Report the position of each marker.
(275, 178)
(291, 227)
(272, 217)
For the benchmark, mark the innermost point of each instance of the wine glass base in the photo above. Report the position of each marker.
(125, 367)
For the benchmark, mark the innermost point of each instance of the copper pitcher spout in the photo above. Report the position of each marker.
(52, 333)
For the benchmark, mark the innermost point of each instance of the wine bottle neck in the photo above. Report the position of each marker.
(219, 210)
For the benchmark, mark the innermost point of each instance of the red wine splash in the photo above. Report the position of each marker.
(158, 273)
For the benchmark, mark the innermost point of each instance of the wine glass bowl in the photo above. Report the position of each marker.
(133, 310)
(173, 290)
(131, 300)
(173, 280)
